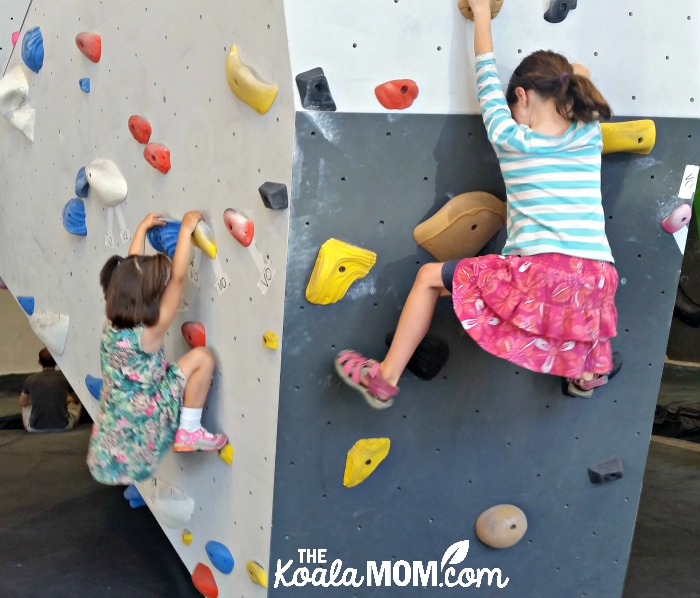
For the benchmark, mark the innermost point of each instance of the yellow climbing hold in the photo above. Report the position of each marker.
(635, 136)
(338, 265)
(363, 459)
(226, 454)
(246, 86)
(203, 238)
(186, 537)
(256, 573)
(270, 339)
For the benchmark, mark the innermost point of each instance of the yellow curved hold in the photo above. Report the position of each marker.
(270, 339)
(186, 537)
(246, 86)
(338, 265)
(635, 136)
(363, 458)
(203, 238)
(256, 573)
(226, 454)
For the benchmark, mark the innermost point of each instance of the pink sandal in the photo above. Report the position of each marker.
(351, 366)
(584, 388)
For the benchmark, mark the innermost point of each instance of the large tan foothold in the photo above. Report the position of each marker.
(462, 226)
(634, 136)
(466, 10)
(501, 526)
(363, 458)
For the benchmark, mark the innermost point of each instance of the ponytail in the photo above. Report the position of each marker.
(108, 270)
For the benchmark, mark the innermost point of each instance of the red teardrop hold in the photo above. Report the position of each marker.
(203, 580)
(158, 156)
(89, 44)
(239, 226)
(194, 333)
(398, 94)
(140, 128)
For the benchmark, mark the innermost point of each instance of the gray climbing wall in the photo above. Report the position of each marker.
(484, 431)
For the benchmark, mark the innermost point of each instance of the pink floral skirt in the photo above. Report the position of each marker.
(549, 313)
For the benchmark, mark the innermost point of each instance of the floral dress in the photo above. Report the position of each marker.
(140, 405)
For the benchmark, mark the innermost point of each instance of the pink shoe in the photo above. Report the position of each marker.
(199, 440)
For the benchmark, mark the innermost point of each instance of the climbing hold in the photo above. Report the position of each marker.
(246, 86)
(429, 357)
(203, 237)
(226, 454)
(194, 333)
(607, 471)
(314, 91)
(462, 226)
(677, 219)
(81, 183)
(220, 556)
(186, 537)
(27, 304)
(94, 386)
(172, 506)
(89, 44)
(3, 286)
(203, 580)
(501, 526)
(52, 329)
(239, 226)
(33, 49)
(635, 136)
(14, 90)
(257, 573)
(398, 94)
(158, 156)
(85, 84)
(15, 37)
(106, 181)
(132, 494)
(74, 217)
(164, 238)
(270, 339)
(338, 265)
(558, 10)
(140, 128)
(363, 458)
(274, 195)
(466, 10)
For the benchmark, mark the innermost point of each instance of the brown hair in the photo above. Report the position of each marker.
(46, 360)
(552, 76)
(133, 287)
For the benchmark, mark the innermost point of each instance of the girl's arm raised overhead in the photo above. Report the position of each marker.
(482, 26)
(138, 242)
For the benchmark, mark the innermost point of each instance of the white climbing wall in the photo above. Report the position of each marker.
(12, 14)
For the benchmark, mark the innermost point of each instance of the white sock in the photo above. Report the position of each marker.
(191, 419)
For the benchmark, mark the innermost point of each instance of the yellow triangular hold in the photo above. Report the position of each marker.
(635, 136)
(186, 537)
(226, 454)
(363, 459)
(246, 86)
(338, 265)
(270, 339)
(203, 238)
(256, 573)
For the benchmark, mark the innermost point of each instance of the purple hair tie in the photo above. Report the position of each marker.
(563, 76)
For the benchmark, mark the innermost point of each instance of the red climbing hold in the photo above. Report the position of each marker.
(203, 580)
(677, 219)
(195, 334)
(140, 128)
(398, 94)
(15, 37)
(239, 226)
(158, 156)
(89, 44)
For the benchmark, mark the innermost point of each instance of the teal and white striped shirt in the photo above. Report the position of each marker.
(552, 183)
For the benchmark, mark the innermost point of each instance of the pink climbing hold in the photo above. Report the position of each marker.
(194, 333)
(203, 580)
(89, 44)
(398, 94)
(158, 156)
(15, 37)
(677, 219)
(140, 128)
(239, 226)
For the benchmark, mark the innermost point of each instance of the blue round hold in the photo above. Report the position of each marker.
(220, 556)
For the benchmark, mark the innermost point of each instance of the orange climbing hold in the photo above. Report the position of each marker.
(398, 94)
(89, 44)
(140, 128)
(203, 580)
(158, 156)
(239, 226)
(194, 334)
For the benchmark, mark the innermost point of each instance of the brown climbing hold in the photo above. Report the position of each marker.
(501, 526)
(466, 10)
(203, 580)
(89, 44)
(398, 94)
(140, 128)
(158, 156)
(194, 334)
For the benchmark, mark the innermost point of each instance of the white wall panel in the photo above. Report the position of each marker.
(12, 14)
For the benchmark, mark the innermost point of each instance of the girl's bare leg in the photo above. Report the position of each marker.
(198, 367)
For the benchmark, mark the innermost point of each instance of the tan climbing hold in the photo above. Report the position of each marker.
(466, 10)
(257, 573)
(338, 265)
(462, 226)
(270, 339)
(363, 458)
(226, 454)
(186, 537)
(635, 136)
(501, 526)
(246, 86)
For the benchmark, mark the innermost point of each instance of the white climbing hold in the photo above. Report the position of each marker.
(172, 506)
(107, 183)
(14, 106)
(52, 330)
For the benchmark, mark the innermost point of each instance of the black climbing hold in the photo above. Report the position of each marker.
(558, 9)
(314, 90)
(686, 310)
(274, 195)
(608, 471)
(429, 357)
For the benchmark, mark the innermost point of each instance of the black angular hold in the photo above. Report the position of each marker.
(274, 195)
(558, 10)
(608, 471)
(314, 90)
(429, 357)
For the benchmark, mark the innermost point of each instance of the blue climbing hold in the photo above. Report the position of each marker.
(164, 238)
(94, 385)
(33, 49)
(74, 217)
(27, 304)
(85, 84)
(220, 556)
(134, 497)
(81, 183)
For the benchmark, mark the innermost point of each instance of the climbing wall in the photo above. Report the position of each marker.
(12, 13)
